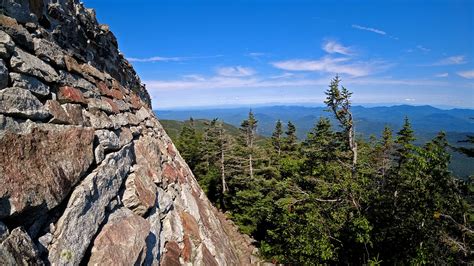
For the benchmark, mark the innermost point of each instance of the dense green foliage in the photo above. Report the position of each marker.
(334, 199)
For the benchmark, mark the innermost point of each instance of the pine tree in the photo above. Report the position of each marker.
(277, 137)
(385, 151)
(404, 141)
(319, 146)
(189, 144)
(248, 131)
(224, 145)
(290, 138)
(339, 102)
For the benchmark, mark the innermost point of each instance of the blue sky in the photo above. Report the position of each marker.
(222, 53)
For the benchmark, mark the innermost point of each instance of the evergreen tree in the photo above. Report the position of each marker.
(338, 101)
(248, 129)
(277, 137)
(335, 200)
(384, 152)
(404, 141)
(189, 144)
(224, 144)
(290, 138)
(320, 146)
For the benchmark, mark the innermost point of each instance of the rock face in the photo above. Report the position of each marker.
(88, 175)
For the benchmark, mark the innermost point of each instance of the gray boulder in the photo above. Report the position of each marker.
(21, 103)
(86, 208)
(3, 75)
(29, 83)
(26, 63)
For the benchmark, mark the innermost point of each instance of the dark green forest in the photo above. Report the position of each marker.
(335, 198)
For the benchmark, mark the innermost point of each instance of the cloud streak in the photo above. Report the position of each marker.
(219, 82)
(331, 65)
(169, 59)
(374, 30)
(333, 47)
(452, 60)
(442, 75)
(422, 48)
(235, 71)
(255, 54)
(468, 74)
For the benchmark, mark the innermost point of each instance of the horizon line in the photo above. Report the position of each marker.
(306, 105)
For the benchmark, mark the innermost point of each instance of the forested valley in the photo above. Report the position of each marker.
(335, 197)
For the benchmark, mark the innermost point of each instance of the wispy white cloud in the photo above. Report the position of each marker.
(442, 75)
(468, 74)
(255, 54)
(381, 81)
(194, 77)
(283, 75)
(220, 82)
(156, 59)
(331, 65)
(335, 47)
(374, 30)
(410, 99)
(169, 59)
(309, 65)
(422, 48)
(452, 60)
(235, 71)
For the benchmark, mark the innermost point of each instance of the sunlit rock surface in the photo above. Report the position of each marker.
(87, 173)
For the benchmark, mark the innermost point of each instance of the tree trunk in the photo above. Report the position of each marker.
(352, 145)
(224, 185)
(250, 165)
(250, 137)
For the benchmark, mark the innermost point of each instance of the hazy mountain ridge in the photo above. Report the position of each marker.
(369, 120)
(427, 121)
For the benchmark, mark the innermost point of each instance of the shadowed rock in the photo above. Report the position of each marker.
(21, 103)
(19, 249)
(29, 83)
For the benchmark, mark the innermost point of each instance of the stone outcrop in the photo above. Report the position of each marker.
(87, 173)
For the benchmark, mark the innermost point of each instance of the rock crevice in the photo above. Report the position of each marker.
(88, 174)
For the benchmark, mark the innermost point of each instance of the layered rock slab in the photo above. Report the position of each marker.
(121, 240)
(86, 208)
(40, 165)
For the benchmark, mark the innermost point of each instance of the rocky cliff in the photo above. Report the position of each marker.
(87, 173)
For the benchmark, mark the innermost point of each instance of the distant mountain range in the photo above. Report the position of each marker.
(369, 120)
(427, 121)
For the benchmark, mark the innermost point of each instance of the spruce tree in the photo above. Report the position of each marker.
(319, 146)
(277, 137)
(189, 144)
(338, 101)
(290, 138)
(404, 141)
(248, 129)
